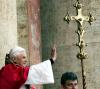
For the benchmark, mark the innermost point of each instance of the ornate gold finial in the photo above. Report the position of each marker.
(80, 18)
(67, 18)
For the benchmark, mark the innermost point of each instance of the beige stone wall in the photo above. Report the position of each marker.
(8, 27)
(22, 21)
(56, 30)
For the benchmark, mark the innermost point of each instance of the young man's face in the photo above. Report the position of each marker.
(21, 59)
(70, 84)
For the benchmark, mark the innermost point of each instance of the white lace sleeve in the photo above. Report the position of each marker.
(40, 74)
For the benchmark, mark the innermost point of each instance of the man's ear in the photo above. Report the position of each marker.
(14, 60)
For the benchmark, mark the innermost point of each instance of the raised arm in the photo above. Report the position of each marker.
(42, 73)
(53, 54)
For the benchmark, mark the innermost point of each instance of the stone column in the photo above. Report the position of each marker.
(34, 31)
(56, 31)
(8, 27)
(34, 28)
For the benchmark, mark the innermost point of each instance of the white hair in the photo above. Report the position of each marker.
(15, 51)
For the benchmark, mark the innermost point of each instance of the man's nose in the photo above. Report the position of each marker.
(25, 61)
(73, 87)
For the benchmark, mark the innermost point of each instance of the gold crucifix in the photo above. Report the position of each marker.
(81, 44)
(80, 18)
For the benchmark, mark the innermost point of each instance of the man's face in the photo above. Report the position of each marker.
(21, 59)
(70, 84)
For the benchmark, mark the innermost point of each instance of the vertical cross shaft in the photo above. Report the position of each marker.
(81, 44)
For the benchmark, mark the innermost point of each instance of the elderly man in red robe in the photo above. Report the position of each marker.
(16, 74)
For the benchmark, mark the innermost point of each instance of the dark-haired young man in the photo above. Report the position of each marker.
(69, 80)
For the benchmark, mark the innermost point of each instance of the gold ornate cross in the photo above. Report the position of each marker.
(80, 18)
(81, 44)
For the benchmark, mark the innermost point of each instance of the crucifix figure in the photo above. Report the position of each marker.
(80, 18)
